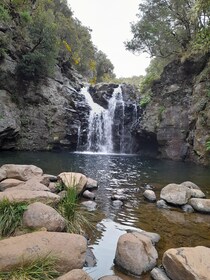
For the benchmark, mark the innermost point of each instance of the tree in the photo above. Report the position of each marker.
(104, 67)
(42, 51)
(166, 28)
(45, 33)
(201, 15)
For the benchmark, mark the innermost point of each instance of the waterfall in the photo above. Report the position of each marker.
(106, 127)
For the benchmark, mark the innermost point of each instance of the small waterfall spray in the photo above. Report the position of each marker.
(101, 126)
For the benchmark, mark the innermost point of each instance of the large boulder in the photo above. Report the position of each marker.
(175, 194)
(28, 187)
(72, 179)
(39, 215)
(9, 183)
(68, 249)
(30, 196)
(135, 253)
(200, 205)
(75, 274)
(21, 172)
(187, 263)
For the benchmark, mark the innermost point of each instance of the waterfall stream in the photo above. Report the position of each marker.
(107, 125)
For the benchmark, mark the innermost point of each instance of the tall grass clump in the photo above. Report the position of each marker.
(42, 268)
(76, 218)
(11, 214)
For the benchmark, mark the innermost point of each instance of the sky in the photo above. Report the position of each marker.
(110, 21)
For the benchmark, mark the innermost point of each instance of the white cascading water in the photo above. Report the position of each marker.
(99, 137)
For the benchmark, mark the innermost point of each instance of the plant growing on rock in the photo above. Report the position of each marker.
(145, 100)
(43, 268)
(208, 146)
(11, 214)
(69, 208)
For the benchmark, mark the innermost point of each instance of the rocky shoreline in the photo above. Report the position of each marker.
(135, 254)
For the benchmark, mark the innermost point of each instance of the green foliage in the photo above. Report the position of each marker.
(32, 65)
(59, 187)
(134, 80)
(4, 14)
(145, 100)
(169, 28)
(104, 67)
(39, 29)
(10, 216)
(43, 268)
(160, 112)
(41, 58)
(153, 73)
(69, 209)
(208, 145)
(25, 17)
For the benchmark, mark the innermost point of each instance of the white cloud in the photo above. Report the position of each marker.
(110, 24)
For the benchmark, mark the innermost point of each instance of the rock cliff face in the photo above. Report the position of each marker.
(176, 122)
(38, 115)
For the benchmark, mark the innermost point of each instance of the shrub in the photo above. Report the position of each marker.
(4, 15)
(33, 65)
(25, 17)
(145, 100)
(11, 214)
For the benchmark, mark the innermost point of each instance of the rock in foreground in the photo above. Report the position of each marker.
(187, 263)
(21, 172)
(30, 196)
(72, 179)
(68, 249)
(39, 215)
(135, 253)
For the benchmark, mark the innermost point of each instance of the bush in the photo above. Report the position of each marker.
(4, 15)
(33, 65)
(145, 100)
(11, 214)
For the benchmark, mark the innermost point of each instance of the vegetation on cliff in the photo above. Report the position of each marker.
(41, 33)
(170, 29)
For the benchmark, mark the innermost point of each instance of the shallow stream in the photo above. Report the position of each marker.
(129, 174)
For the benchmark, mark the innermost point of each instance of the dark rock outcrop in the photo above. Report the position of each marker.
(176, 122)
(39, 115)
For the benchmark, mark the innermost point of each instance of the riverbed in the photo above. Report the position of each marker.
(129, 175)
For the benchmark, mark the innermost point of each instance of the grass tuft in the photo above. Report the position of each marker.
(76, 218)
(43, 268)
(11, 214)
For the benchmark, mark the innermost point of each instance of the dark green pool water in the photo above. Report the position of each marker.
(129, 174)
